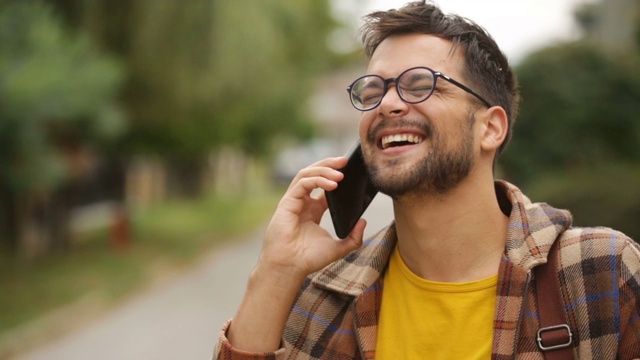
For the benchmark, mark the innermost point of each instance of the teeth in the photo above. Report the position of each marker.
(389, 139)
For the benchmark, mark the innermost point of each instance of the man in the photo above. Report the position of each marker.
(452, 277)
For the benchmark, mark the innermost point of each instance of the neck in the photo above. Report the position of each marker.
(454, 237)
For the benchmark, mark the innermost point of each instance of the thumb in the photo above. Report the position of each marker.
(354, 240)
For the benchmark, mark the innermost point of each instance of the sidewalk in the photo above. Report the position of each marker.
(180, 320)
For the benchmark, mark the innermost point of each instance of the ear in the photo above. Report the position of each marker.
(495, 126)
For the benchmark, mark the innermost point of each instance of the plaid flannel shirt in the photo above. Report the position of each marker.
(336, 313)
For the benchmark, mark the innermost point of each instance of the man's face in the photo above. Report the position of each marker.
(425, 148)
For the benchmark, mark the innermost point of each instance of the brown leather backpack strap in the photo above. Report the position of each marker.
(555, 336)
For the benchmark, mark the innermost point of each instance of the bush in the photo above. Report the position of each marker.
(606, 195)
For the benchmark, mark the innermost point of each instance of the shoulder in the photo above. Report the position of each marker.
(600, 279)
(591, 242)
(585, 252)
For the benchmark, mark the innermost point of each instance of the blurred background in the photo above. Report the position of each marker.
(137, 135)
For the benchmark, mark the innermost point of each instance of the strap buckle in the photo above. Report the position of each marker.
(556, 346)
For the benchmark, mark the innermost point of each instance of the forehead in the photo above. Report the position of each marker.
(400, 52)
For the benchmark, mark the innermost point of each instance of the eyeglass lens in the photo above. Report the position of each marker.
(413, 86)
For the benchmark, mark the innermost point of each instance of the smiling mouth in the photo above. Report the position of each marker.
(400, 140)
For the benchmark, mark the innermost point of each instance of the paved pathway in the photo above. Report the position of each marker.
(182, 319)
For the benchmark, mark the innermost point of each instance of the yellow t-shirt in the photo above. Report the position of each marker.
(421, 319)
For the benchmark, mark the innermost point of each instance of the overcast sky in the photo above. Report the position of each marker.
(519, 26)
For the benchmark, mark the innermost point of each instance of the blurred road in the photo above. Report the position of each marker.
(182, 319)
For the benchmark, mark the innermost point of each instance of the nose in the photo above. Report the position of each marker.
(392, 103)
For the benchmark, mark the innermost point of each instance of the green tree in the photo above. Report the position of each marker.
(580, 110)
(577, 140)
(57, 97)
(264, 67)
(209, 74)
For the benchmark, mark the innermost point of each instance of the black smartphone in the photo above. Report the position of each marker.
(353, 195)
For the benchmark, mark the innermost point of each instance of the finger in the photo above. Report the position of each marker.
(322, 199)
(318, 207)
(354, 240)
(298, 197)
(325, 172)
(319, 169)
(332, 162)
(305, 186)
(316, 171)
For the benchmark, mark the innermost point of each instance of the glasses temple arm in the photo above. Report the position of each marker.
(465, 88)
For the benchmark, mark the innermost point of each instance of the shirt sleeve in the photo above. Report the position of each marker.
(225, 351)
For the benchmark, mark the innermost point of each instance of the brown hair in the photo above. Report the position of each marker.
(487, 67)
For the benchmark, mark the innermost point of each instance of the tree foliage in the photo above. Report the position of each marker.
(191, 78)
(56, 91)
(57, 96)
(266, 55)
(580, 109)
(608, 195)
(211, 73)
(577, 140)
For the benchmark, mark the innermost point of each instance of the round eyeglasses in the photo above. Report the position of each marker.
(414, 86)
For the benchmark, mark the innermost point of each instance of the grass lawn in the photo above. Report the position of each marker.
(166, 237)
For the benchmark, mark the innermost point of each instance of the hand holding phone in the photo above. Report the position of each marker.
(353, 195)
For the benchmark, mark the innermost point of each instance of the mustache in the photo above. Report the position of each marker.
(425, 126)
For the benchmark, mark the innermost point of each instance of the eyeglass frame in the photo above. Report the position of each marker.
(436, 75)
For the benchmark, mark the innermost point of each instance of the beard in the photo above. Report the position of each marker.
(437, 172)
